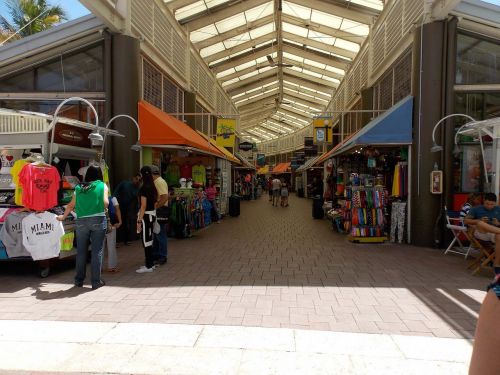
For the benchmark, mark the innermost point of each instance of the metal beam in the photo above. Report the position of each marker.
(306, 100)
(234, 32)
(220, 13)
(270, 130)
(262, 97)
(320, 57)
(260, 103)
(243, 71)
(315, 69)
(249, 81)
(303, 89)
(310, 78)
(330, 31)
(257, 92)
(287, 121)
(238, 60)
(361, 15)
(323, 46)
(178, 4)
(306, 97)
(303, 101)
(240, 47)
(291, 110)
(301, 116)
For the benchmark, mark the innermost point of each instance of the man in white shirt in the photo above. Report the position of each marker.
(160, 250)
(276, 184)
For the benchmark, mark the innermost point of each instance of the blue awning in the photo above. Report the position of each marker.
(393, 127)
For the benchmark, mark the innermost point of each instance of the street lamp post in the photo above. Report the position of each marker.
(136, 147)
(435, 147)
(94, 136)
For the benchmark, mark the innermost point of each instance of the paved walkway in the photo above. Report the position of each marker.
(271, 267)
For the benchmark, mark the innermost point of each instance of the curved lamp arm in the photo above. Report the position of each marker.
(440, 121)
(109, 123)
(54, 119)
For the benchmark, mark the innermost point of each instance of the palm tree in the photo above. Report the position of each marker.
(30, 17)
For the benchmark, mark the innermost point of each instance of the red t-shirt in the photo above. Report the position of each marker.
(40, 185)
(186, 171)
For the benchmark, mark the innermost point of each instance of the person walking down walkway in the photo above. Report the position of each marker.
(146, 217)
(284, 194)
(276, 185)
(89, 202)
(126, 194)
(211, 193)
(160, 250)
(270, 188)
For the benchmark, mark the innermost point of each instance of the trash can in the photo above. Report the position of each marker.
(317, 208)
(234, 205)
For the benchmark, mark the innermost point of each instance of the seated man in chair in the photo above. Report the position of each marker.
(485, 219)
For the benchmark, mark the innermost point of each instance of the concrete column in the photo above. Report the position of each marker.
(428, 81)
(125, 51)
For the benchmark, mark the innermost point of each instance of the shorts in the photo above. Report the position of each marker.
(488, 237)
(276, 193)
(284, 193)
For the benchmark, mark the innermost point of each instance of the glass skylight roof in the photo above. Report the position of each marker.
(332, 37)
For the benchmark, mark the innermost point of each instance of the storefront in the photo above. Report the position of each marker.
(37, 177)
(306, 174)
(369, 176)
(188, 162)
(244, 178)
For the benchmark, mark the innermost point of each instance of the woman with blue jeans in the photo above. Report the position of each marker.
(89, 202)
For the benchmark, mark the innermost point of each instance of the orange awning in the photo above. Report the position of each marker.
(281, 168)
(222, 149)
(160, 129)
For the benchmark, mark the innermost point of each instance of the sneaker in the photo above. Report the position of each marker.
(160, 262)
(97, 286)
(78, 284)
(144, 269)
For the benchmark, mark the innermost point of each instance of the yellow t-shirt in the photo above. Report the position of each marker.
(15, 170)
(161, 186)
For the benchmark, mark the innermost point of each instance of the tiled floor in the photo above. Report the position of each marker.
(270, 267)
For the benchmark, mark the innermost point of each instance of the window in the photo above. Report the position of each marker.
(78, 72)
(478, 61)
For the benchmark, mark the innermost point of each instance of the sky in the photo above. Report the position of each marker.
(73, 8)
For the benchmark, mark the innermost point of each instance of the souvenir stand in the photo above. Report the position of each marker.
(187, 161)
(32, 188)
(371, 180)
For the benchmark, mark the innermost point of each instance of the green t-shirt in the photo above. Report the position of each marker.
(90, 199)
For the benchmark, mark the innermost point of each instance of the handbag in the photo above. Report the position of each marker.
(163, 213)
(156, 227)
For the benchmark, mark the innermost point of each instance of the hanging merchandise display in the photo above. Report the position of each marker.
(370, 202)
(33, 191)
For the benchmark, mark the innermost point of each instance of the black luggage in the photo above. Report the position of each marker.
(234, 205)
(300, 192)
(317, 208)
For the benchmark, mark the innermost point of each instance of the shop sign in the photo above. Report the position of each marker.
(226, 130)
(261, 160)
(322, 130)
(245, 146)
(70, 135)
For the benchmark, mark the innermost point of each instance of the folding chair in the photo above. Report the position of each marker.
(486, 254)
(455, 225)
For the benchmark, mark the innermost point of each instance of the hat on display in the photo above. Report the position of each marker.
(155, 169)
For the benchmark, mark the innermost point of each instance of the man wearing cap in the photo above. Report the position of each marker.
(160, 240)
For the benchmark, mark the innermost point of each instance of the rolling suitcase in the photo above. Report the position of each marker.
(317, 208)
(234, 205)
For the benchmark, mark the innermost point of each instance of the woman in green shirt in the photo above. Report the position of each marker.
(89, 202)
